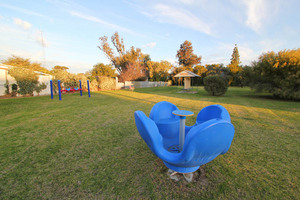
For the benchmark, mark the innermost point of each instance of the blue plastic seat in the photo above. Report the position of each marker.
(167, 123)
(203, 143)
(210, 112)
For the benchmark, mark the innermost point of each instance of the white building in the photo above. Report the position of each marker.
(43, 78)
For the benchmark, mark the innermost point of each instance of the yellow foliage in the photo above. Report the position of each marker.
(282, 58)
(23, 74)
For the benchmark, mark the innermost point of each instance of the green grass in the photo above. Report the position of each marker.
(89, 148)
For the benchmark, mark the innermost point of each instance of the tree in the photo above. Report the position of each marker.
(60, 73)
(176, 70)
(278, 73)
(235, 68)
(201, 71)
(124, 61)
(217, 69)
(186, 57)
(58, 67)
(101, 69)
(158, 71)
(17, 61)
(133, 72)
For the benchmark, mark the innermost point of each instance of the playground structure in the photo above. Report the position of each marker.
(184, 149)
(68, 90)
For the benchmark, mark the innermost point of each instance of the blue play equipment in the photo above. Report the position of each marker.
(166, 122)
(210, 112)
(204, 141)
(68, 89)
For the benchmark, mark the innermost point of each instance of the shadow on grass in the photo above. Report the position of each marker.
(234, 95)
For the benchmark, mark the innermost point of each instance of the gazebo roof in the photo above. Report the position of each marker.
(186, 73)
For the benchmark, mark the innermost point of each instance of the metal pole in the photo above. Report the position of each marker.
(51, 88)
(182, 132)
(80, 88)
(88, 84)
(59, 89)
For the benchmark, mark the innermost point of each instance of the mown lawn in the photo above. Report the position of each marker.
(89, 148)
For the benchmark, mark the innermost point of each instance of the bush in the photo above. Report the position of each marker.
(6, 86)
(107, 83)
(26, 87)
(40, 87)
(14, 88)
(215, 85)
(26, 79)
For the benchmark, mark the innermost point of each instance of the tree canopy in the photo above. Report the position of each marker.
(60, 67)
(101, 69)
(130, 61)
(186, 57)
(278, 73)
(158, 71)
(17, 61)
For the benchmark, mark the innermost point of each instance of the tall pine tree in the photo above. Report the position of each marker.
(235, 68)
(235, 62)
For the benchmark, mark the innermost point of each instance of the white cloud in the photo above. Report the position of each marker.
(178, 16)
(259, 12)
(150, 45)
(99, 21)
(247, 55)
(24, 24)
(255, 13)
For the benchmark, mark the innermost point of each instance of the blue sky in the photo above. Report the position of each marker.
(71, 29)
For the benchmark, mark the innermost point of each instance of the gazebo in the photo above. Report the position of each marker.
(187, 75)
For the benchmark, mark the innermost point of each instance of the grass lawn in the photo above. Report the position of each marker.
(89, 148)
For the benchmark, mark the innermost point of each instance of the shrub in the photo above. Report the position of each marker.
(14, 88)
(215, 85)
(40, 87)
(26, 79)
(26, 87)
(6, 86)
(107, 83)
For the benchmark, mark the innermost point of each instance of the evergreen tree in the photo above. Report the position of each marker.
(235, 62)
(235, 68)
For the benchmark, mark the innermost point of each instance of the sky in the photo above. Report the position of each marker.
(65, 32)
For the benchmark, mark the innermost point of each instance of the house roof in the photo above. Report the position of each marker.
(186, 73)
(5, 67)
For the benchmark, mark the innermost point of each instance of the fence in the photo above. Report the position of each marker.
(144, 84)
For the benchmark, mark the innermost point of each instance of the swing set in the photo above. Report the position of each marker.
(68, 90)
